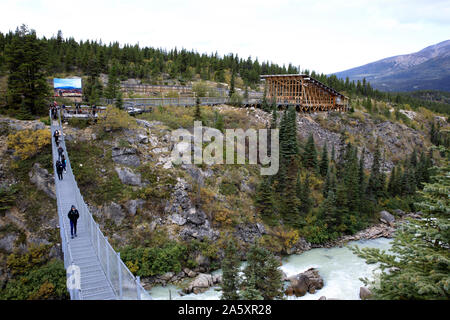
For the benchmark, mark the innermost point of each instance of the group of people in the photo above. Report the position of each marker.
(60, 165)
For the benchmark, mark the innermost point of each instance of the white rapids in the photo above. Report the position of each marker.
(339, 267)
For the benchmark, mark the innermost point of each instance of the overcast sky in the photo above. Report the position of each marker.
(326, 36)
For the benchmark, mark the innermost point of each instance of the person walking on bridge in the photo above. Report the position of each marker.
(73, 217)
(64, 163)
(60, 152)
(59, 169)
(56, 136)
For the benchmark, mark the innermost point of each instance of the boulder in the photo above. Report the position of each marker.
(114, 212)
(308, 281)
(7, 242)
(125, 156)
(300, 285)
(167, 276)
(189, 272)
(43, 180)
(386, 217)
(323, 298)
(399, 212)
(133, 205)
(127, 176)
(177, 219)
(196, 217)
(142, 138)
(201, 283)
(364, 293)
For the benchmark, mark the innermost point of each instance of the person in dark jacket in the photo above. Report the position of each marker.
(63, 162)
(59, 169)
(60, 152)
(56, 136)
(73, 217)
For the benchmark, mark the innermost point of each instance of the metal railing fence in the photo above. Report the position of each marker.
(125, 285)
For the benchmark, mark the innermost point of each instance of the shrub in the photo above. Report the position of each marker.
(79, 123)
(156, 260)
(115, 119)
(200, 89)
(7, 198)
(28, 143)
(236, 99)
(47, 282)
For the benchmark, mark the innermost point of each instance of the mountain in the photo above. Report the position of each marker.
(427, 69)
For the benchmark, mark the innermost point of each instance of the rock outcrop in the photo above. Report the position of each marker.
(112, 211)
(133, 205)
(127, 176)
(125, 156)
(43, 180)
(182, 212)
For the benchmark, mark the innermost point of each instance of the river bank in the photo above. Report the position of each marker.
(338, 266)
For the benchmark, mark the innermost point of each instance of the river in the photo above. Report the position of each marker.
(339, 268)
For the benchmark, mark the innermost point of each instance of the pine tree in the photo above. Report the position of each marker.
(273, 123)
(306, 202)
(113, 86)
(327, 212)
(264, 200)
(375, 186)
(310, 154)
(262, 274)
(231, 91)
(392, 182)
(289, 202)
(362, 175)
(93, 88)
(119, 100)
(26, 59)
(418, 265)
(250, 292)
(230, 273)
(323, 167)
(333, 155)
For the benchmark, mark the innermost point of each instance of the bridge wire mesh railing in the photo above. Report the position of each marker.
(124, 284)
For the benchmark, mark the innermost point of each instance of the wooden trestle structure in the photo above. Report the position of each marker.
(305, 93)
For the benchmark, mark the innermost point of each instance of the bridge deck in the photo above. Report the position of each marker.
(94, 283)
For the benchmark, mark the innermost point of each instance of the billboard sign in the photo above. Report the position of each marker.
(67, 87)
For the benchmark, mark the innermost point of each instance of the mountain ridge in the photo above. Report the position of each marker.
(427, 69)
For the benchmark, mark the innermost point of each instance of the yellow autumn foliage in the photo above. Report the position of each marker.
(287, 237)
(27, 143)
(115, 119)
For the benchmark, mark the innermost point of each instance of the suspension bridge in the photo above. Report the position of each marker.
(95, 270)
